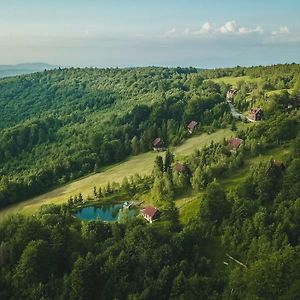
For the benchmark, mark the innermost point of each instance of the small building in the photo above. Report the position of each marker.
(277, 164)
(256, 114)
(157, 144)
(192, 126)
(150, 213)
(296, 102)
(231, 94)
(180, 168)
(235, 143)
(127, 204)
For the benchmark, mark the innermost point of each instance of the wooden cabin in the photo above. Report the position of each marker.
(192, 126)
(150, 213)
(180, 168)
(157, 144)
(231, 94)
(256, 114)
(235, 143)
(296, 102)
(277, 164)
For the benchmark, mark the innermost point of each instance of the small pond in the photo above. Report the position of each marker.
(105, 212)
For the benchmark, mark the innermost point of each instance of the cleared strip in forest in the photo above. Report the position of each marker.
(141, 164)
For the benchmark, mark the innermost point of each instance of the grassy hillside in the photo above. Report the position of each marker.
(141, 164)
(60, 125)
(189, 204)
(234, 80)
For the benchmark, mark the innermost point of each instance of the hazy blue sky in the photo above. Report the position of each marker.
(203, 33)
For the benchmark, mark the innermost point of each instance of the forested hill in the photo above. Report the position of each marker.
(229, 212)
(58, 125)
(61, 124)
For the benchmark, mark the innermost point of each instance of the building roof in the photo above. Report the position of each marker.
(192, 125)
(179, 167)
(150, 211)
(157, 142)
(255, 110)
(232, 91)
(296, 101)
(278, 163)
(235, 142)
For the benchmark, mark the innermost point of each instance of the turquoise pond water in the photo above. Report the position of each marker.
(105, 212)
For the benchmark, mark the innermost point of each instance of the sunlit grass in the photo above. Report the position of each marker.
(234, 80)
(141, 164)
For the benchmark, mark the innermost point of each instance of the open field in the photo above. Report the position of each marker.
(234, 80)
(277, 92)
(141, 164)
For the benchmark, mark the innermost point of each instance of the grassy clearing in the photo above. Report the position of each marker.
(188, 207)
(141, 164)
(234, 80)
(189, 204)
(278, 92)
(279, 153)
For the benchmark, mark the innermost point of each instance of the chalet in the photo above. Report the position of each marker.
(277, 164)
(150, 213)
(180, 168)
(230, 94)
(191, 127)
(157, 144)
(296, 102)
(256, 114)
(127, 204)
(235, 143)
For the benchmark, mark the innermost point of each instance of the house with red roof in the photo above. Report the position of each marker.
(235, 143)
(192, 126)
(150, 213)
(256, 114)
(276, 164)
(230, 94)
(180, 168)
(157, 144)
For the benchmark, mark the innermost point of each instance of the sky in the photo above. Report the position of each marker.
(124, 33)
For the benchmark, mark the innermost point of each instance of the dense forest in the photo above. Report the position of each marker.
(241, 242)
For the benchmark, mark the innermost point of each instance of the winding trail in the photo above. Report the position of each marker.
(235, 113)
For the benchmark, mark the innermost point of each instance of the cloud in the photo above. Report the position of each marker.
(229, 27)
(187, 31)
(281, 30)
(206, 28)
(171, 31)
(247, 30)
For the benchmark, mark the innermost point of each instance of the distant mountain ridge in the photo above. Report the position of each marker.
(24, 68)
